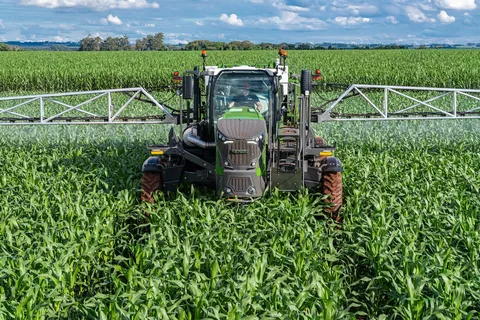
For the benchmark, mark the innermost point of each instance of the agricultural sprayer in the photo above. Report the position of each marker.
(243, 130)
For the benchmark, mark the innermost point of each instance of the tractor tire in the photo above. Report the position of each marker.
(331, 185)
(151, 182)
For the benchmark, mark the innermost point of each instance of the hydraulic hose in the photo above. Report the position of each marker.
(200, 143)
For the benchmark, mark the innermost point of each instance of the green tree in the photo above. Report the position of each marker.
(156, 42)
(151, 42)
(6, 47)
(109, 44)
(90, 43)
(141, 44)
(124, 43)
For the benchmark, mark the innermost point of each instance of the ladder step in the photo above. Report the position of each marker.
(287, 132)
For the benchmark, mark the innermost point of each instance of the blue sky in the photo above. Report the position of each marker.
(276, 21)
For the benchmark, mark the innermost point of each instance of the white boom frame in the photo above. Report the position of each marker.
(384, 112)
(109, 116)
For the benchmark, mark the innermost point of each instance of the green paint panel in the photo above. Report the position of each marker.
(218, 169)
(243, 113)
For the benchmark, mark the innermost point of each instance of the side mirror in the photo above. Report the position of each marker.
(279, 113)
(306, 81)
(275, 87)
(187, 87)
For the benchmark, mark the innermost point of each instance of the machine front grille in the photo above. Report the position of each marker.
(240, 184)
(241, 153)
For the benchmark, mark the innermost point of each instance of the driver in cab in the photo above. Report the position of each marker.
(246, 98)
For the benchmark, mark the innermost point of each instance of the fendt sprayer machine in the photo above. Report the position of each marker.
(243, 130)
(246, 133)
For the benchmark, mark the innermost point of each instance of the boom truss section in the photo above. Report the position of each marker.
(362, 102)
(114, 106)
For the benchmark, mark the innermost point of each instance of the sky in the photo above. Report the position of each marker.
(274, 21)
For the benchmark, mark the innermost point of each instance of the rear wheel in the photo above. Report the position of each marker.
(331, 185)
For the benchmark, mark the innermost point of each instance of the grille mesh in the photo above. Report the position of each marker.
(239, 184)
(241, 128)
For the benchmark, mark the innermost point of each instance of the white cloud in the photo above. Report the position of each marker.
(416, 15)
(281, 5)
(456, 4)
(2, 26)
(256, 1)
(349, 21)
(232, 19)
(392, 20)
(114, 20)
(362, 9)
(92, 4)
(445, 18)
(427, 6)
(199, 23)
(149, 25)
(289, 20)
(346, 8)
(63, 26)
(176, 38)
(58, 39)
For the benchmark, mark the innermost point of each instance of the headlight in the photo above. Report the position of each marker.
(221, 137)
(258, 138)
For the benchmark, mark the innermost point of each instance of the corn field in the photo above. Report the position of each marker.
(72, 237)
(67, 71)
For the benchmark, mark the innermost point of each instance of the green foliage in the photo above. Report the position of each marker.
(409, 247)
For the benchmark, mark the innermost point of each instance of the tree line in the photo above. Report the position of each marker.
(148, 43)
(155, 43)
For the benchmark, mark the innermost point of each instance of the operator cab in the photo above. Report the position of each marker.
(234, 89)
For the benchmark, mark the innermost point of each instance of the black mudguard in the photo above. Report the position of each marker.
(331, 164)
(152, 164)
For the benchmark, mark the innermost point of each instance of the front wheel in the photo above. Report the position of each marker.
(331, 186)
(151, 183)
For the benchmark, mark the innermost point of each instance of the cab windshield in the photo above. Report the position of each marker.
(252, 89)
